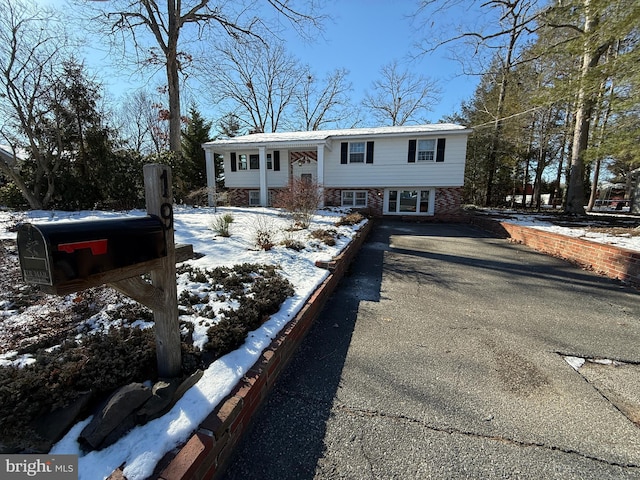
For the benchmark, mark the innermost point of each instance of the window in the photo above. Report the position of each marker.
(306, 177)
(254, 162)
(254, 198)
(269, 162)
(431, 150)
(354, 198)
(409, 202)
(242, 163)
(426, 150)
(356, 152)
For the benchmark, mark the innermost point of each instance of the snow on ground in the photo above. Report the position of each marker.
(546, 223)
(144, 446)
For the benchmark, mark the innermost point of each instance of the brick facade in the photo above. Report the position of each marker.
(375, 198)
(239, 197)
(448, 200)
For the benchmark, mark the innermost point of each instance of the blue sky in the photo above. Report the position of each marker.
(367, 34)
(362, 36)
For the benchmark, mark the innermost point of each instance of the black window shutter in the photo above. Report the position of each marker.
(344, 153)
(369, 152)
(440, 149)
(411, 158)
(276, 160)
(234, 167)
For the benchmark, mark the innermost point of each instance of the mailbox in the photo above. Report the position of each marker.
(55, 255)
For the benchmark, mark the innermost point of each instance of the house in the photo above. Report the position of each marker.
(12, 158)
(404, 170)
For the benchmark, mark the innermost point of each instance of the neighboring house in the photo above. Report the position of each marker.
(11, 159)
(8, 157)
(408, 170)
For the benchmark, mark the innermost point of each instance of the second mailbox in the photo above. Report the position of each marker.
(55, 255)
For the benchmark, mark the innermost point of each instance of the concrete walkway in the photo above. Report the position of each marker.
(442, 356)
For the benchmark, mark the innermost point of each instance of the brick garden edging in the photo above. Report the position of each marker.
(608, 260)
(206, 453)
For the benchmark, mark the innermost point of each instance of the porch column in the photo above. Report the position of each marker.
(320, 173)
(264, 191)
(211, 177)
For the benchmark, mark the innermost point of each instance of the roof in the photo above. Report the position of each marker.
(325, 136)
(6, 154)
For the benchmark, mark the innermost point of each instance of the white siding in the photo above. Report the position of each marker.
(251, 178)
(391, 169)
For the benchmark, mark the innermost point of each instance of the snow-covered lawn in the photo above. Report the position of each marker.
(594, 229)
(145, 445)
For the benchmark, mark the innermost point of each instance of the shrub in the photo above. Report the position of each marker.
(293, 244)
(350, 219)
(225, 336)
(264, 234)
(328, 237)
(301, 199)
(99, 363)
(221, 224)
(262, 299)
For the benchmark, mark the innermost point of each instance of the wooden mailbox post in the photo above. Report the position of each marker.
(161, 295)
(95, 253)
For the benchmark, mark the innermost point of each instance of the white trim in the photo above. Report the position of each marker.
(354, 203)
(264, 190)
(320, 173)
(210, 167)
(431, 201)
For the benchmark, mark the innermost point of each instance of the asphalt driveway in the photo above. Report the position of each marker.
(442, 355)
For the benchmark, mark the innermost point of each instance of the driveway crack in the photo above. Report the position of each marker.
(456, 431)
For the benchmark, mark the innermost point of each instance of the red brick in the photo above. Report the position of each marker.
(190, 457)
(117, 475)
(220, 419)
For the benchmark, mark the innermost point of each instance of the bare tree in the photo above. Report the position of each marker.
(259, 80)
(32, 48)
(323, 102)
(174, 23)
(400, 96)
(504, 37)
(142, 122)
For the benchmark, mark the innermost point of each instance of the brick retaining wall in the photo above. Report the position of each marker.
(206, 453)
(608, 260)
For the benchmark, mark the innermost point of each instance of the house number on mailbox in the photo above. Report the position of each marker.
(166, 209)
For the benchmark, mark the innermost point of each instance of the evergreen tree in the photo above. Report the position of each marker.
(190, 173)
(229, 126)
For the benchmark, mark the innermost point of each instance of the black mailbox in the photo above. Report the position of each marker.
(57, 254)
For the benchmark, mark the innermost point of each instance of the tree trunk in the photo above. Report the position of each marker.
(556, 187)
(602, 132)
(173, 80)
(584, 110)
(497, 126)
(497, 129)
